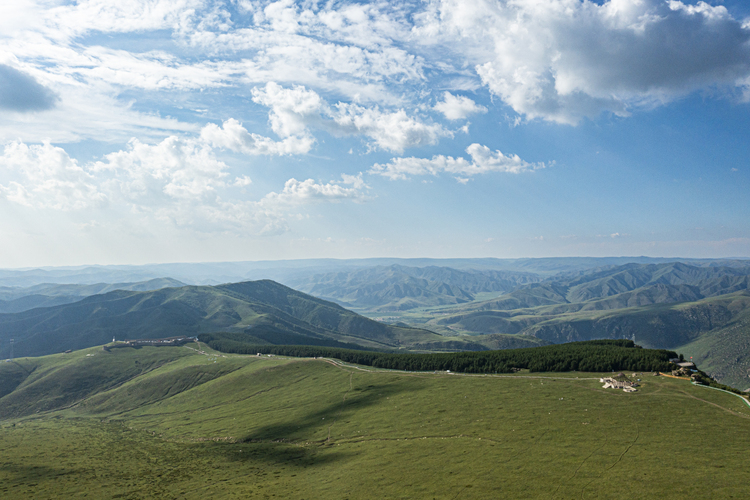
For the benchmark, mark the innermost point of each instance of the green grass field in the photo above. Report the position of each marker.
(170, 422)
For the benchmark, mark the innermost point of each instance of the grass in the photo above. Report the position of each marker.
(724, 353)
(191, 425)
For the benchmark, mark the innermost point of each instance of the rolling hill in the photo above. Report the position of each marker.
(187, 422)
(666, 305)
(265, 307)
(19, 299)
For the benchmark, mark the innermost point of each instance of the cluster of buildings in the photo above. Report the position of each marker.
(169, 341)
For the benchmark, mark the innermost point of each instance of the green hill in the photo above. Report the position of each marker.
(172, 422)
(666, 305)
(19, 299)
(263, 306)
(724, 353)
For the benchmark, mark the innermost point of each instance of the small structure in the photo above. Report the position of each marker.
(625, 385)
(169, 341)
(682, 372)
(689, 365)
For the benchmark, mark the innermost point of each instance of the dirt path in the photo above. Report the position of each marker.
(341, 364)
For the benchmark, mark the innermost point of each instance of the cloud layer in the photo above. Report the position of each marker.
(376, 69)
(563, 60)
(483, 160)
(176, 181)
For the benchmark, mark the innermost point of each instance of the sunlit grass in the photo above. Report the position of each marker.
(215, 426)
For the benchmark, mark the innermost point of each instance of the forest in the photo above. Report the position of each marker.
(588, 356)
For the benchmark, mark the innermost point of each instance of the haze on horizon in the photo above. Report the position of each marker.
(204, 131)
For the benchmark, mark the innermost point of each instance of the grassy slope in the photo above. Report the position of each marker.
(191, 310)
(209, 426)
(725, 352)
(716, 331)
(16, 299)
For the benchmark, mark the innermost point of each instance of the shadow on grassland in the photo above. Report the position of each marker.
(289, 442)
(30, 475)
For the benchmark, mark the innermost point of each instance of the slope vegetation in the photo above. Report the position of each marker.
(265, 306)
(203, 425)
(19, 299)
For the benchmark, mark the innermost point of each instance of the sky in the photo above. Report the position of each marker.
(193, 130)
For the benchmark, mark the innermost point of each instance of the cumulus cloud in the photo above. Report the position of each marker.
(294, 111)
(562, 60)
(178, 181)
(557, 60)
(458, 107)
(121, 17)
(393, 131)
(299, 192)
(44, 176)
(176, 168)
(21, 92)
(233, 136)
(483, 160)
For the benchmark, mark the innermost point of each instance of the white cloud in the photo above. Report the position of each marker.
(295, 110)
(243, 181)
(232, 135)
(177, 181)
(175, 168)
(483, 160)
(562, 60)
(292, 109)
(558, 60)
(458, 107)
(134, 15)
(153, 70)
(44, 176)
(393, 131)
(84, 111)
(299, 192)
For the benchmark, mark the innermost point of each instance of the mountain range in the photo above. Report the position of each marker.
(399, 288)
(700, 308)
(266, 310)
(18, 299)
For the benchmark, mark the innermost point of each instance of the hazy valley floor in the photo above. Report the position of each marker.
(191, 425)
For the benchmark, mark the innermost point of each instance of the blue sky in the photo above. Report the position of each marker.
(195, 130)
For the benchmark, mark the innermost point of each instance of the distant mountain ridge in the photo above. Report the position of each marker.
(263, 306)
(399, 288)
(701, 305)
(626, 286)
(283, 271)
(19, 299)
